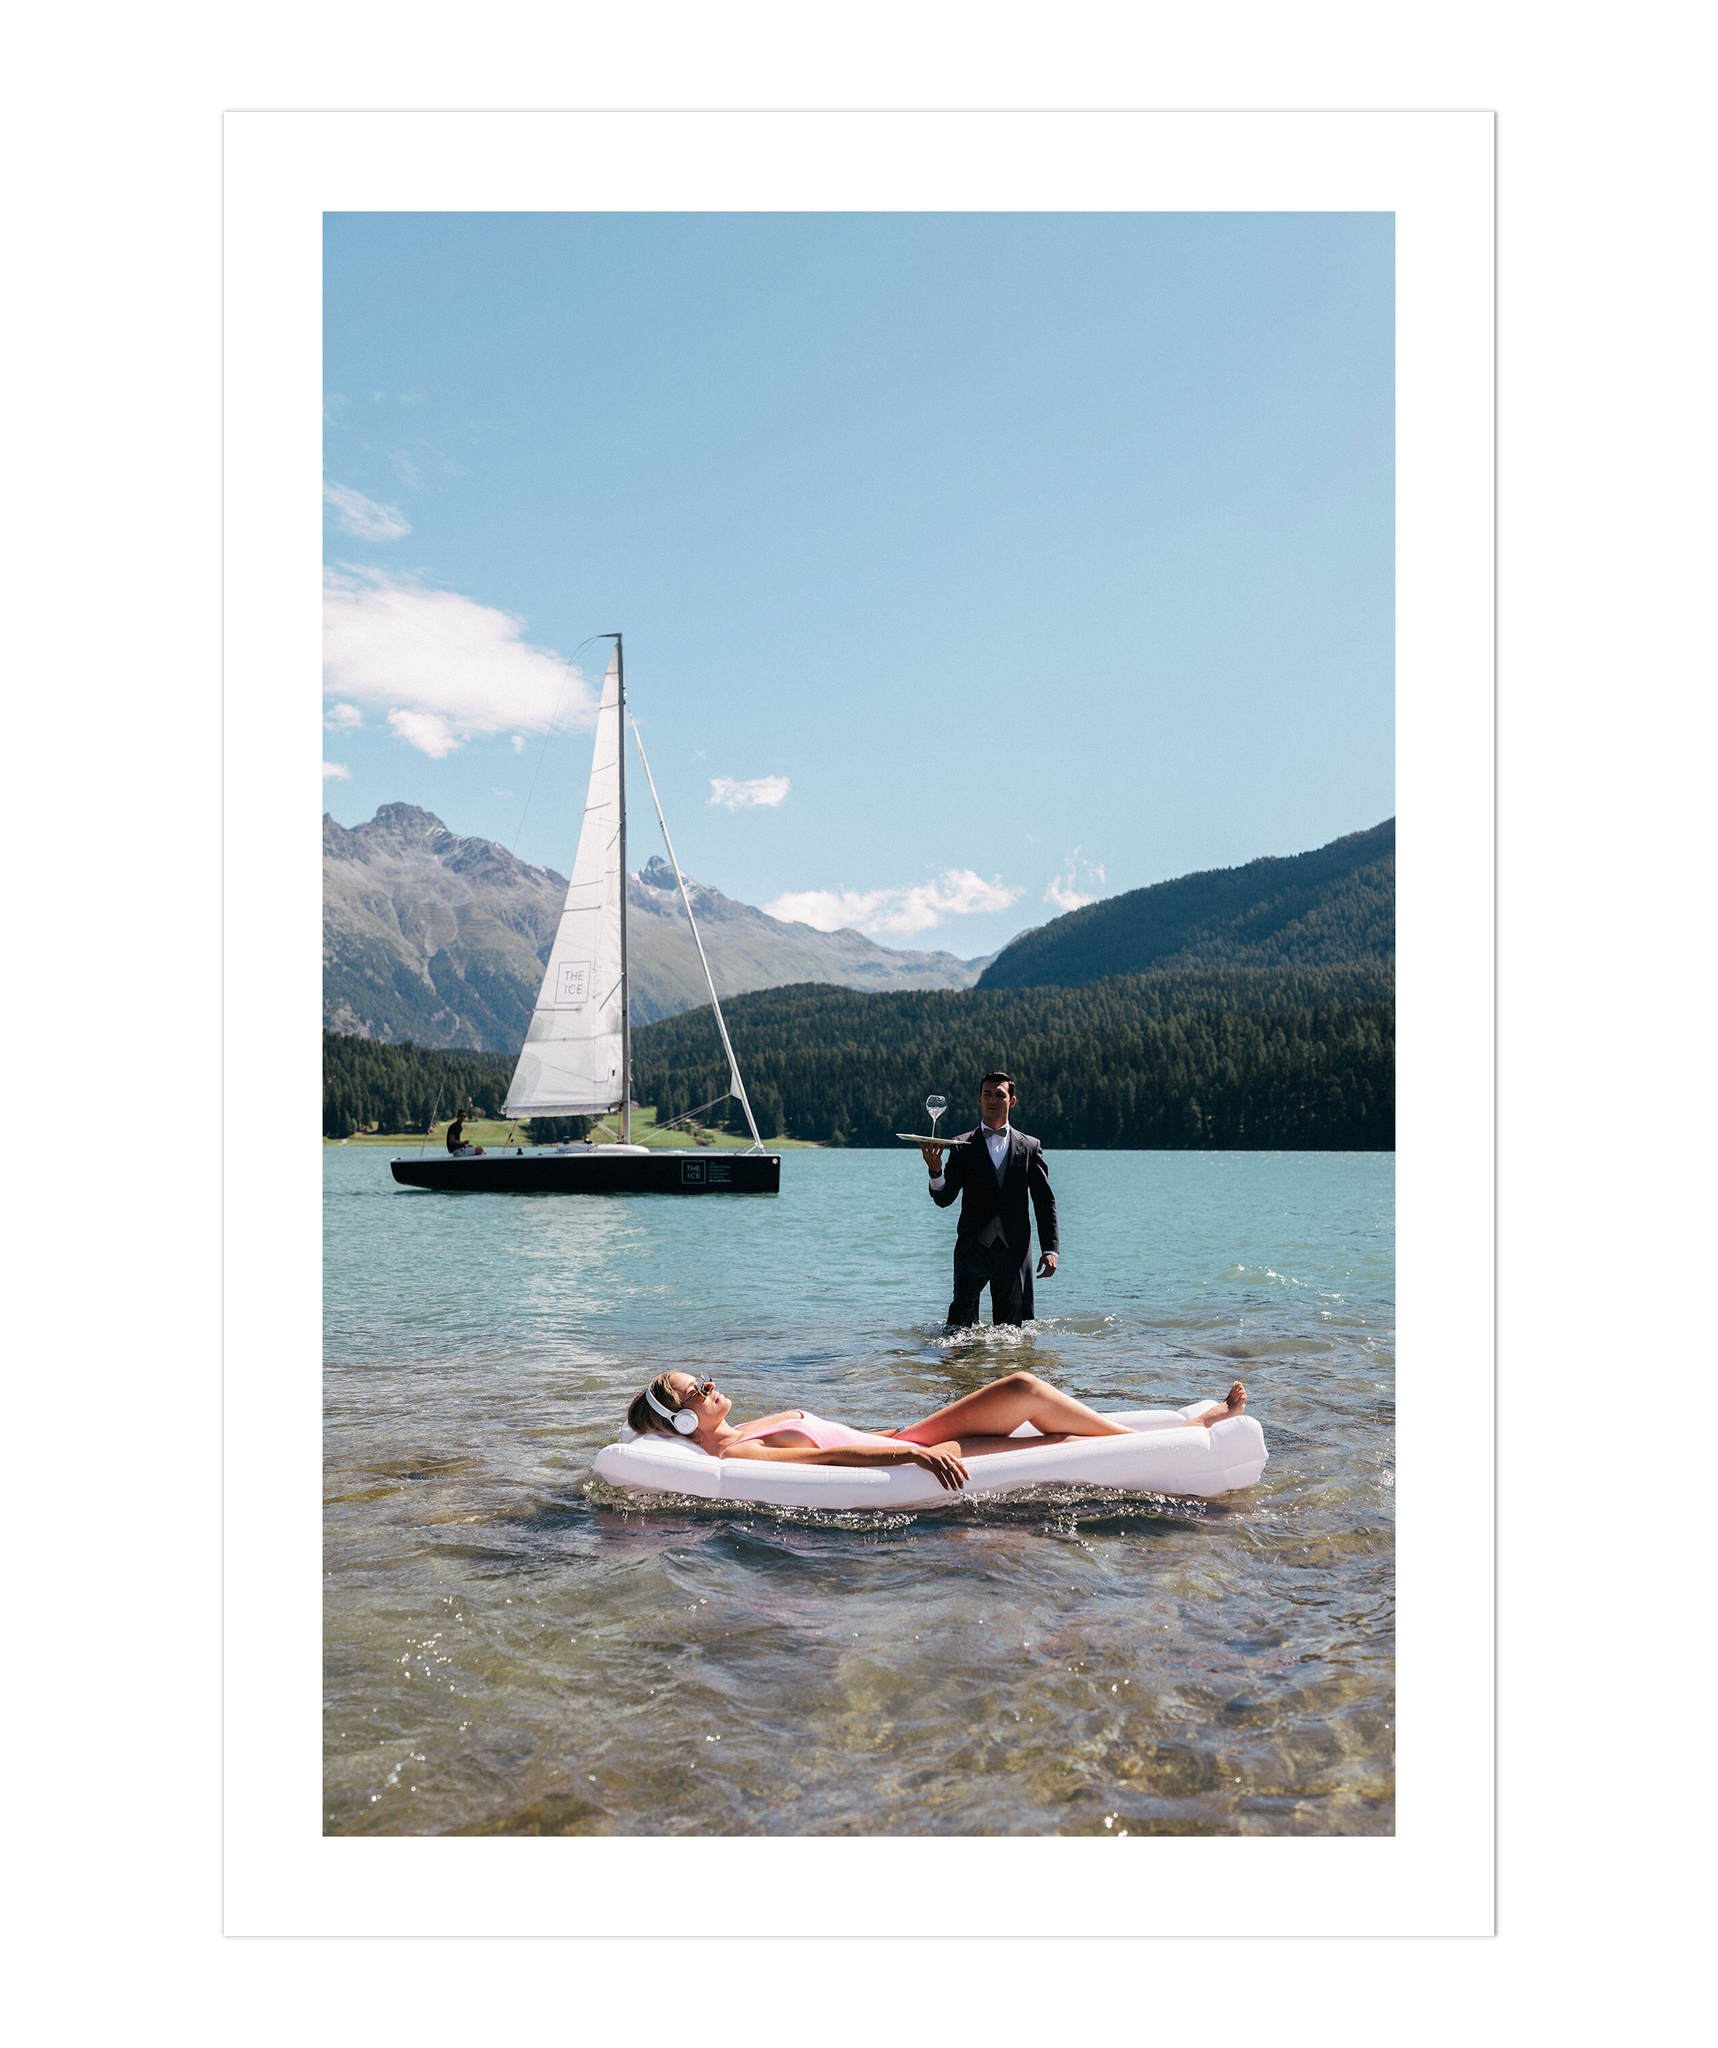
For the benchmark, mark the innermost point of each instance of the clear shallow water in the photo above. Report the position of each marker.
(512, 1647)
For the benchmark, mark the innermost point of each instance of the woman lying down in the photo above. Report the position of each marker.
(978, 1425)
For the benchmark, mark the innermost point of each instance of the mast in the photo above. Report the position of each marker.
(625, 985)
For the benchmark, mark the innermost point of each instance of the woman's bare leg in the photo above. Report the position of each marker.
(999, 1409)
(1233, 1403)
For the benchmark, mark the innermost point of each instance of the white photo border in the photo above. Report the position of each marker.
(1434, 172)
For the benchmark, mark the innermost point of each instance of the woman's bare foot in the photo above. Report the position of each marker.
(1235, 1404)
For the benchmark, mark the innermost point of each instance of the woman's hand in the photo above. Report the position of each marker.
(942, 1462)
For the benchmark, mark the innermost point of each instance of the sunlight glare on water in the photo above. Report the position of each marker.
(513, 1647)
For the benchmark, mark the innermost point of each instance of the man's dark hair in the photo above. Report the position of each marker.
(996, 1074)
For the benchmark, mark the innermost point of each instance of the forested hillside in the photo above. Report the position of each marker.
(1285, 1057)
(1300, 1058)
(400, 1087)
(1337, 903)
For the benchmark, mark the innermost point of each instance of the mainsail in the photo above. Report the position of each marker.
(574, 1058)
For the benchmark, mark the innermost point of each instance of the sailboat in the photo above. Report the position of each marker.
(577, 1055)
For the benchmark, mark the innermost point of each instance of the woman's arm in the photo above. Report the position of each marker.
(941, 1460)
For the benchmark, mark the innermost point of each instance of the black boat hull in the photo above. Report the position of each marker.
(596, 1171)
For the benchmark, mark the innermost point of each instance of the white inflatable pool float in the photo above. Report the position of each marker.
(1156, 1457)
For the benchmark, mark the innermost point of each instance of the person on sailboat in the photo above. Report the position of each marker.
(456, 1139)
(978, 1425)
(994, 1171)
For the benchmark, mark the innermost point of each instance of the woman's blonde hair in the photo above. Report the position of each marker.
(641, 1417)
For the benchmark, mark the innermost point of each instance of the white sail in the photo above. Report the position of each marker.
(573, 1062)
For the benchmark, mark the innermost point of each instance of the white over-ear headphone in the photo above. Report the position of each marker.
(683, 1420)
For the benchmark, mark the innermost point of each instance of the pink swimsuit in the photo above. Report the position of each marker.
(827, 1436)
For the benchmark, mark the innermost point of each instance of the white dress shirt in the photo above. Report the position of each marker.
(995, 1143)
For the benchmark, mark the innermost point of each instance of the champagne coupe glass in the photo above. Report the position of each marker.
(936, 1104)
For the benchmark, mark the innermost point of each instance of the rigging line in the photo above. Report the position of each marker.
(430, 1133)
(727, 1095)
(736, 1085)
(548, 734)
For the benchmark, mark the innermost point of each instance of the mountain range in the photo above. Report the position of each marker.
(442, 939)
(1334, 905)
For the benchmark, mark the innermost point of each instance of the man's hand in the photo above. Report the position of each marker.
(1046, 1265)
(933, 1158)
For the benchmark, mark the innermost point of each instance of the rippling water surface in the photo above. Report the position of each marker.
(514, 1648)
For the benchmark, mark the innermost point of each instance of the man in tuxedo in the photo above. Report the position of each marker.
(993, 1173)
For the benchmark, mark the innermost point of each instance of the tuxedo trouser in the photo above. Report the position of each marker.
(1008, 1275)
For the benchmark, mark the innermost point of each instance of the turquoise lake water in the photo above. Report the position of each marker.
(513, 1647)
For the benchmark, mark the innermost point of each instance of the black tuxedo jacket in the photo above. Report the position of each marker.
(993, 1205)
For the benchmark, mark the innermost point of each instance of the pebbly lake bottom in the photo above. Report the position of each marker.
(514, 1648)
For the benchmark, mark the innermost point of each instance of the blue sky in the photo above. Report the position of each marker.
(969, 565)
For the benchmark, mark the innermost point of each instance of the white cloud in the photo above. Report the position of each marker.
(1065, 896)
(827, 910)
(518, 743)
(363, 517)
(762, 795)
(428, 731)
(342, 718)
(332, 771)
(1065, 891)
(443, 668)
(919, 907)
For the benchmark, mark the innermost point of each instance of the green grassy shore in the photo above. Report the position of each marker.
(492, 1134)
